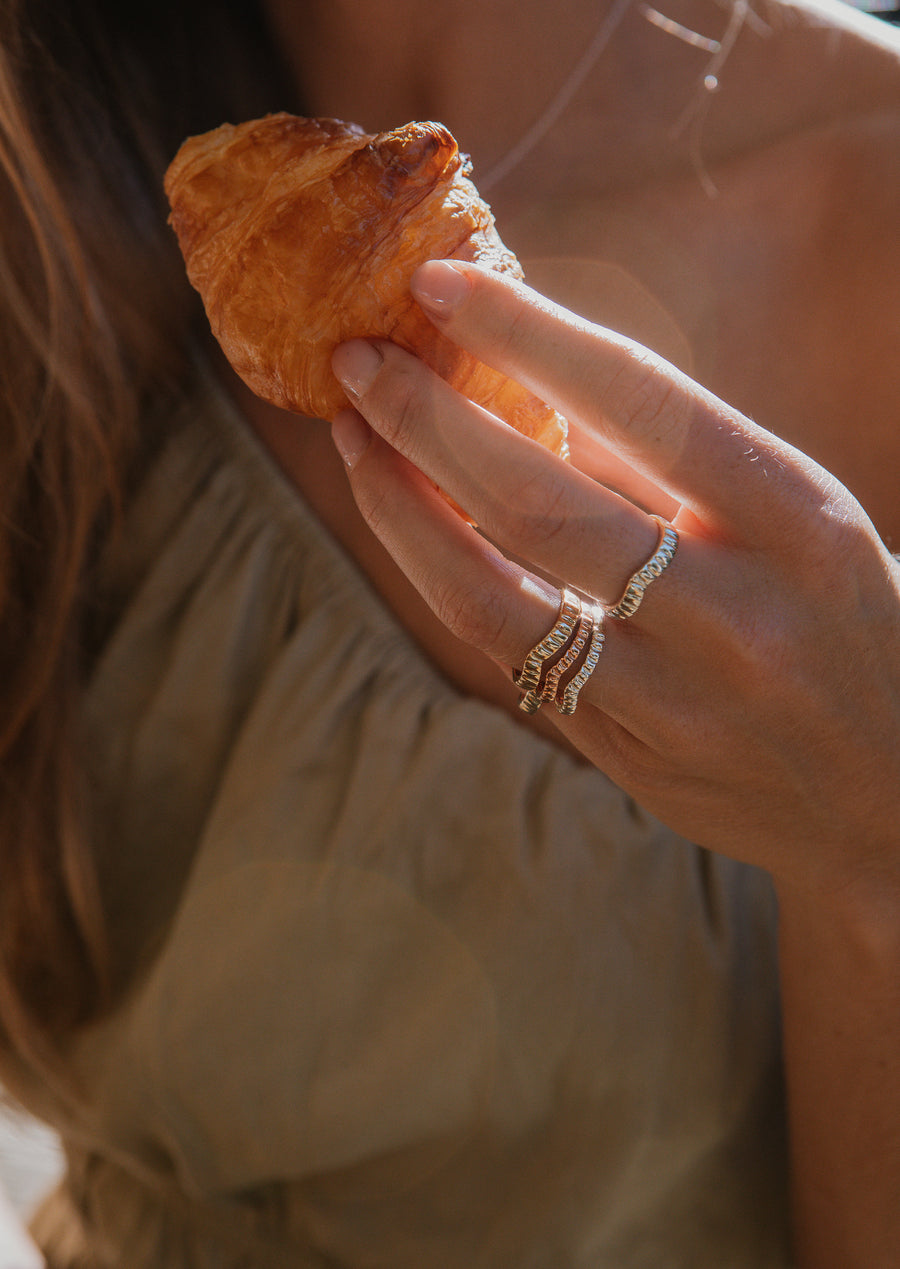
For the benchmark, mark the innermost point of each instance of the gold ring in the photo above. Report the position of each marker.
(580, 648)
(528, 678)
(657, 564)
(570, 656)
(569, 701)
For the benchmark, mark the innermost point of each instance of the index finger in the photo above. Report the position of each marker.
(711, 458)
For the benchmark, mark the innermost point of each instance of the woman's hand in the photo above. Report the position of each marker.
(753, 701)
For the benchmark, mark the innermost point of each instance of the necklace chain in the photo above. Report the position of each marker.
(542, 125)
(741, 12)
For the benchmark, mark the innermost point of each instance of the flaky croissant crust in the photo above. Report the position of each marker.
(301, 233)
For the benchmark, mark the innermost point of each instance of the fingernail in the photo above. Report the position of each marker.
(351, 434)
(439, 286)
(356, 364)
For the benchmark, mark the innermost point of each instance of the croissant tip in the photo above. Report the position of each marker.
(417, 147)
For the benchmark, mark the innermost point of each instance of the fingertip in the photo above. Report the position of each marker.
(356, 364)
(440, 286)
(351, 435)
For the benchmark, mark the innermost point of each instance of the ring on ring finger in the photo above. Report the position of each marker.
(578, 636)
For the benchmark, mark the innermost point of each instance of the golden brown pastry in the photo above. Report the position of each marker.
(301, 233)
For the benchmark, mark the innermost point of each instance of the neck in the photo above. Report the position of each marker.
(491, 72)
(486, 71)
(496, 73)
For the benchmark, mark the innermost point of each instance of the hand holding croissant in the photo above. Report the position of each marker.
(302, 233)
(754, 700)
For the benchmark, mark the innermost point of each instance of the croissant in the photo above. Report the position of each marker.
(301, 233)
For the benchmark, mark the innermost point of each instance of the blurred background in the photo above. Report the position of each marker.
(30, 1160)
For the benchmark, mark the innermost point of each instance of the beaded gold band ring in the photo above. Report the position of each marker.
(528, 678)
(571, 655)
(657, 564)
(576, 629)
(569, 700)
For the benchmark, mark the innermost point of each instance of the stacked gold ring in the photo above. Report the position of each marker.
(583, 632)
(529, 677)
(570, 696)
(658, 562)
(576, 628)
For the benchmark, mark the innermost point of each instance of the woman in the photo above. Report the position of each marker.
(723, 708)
(317, 955)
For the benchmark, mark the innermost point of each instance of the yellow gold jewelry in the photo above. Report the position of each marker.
(569, 701)
(570, 656)
(529, 677)
(658, 562)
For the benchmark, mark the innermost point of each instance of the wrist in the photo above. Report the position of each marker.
(858, 925)
(840, 986)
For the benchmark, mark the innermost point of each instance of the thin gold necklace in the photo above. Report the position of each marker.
(741, 13)
(542, 125)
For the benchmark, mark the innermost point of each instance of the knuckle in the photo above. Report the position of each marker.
(651, 404)
(814, 524)
(536, 514)
(835, 532)
(511, 326)
(400, 401)
(514, 337)
(477, 619)
(372, 499)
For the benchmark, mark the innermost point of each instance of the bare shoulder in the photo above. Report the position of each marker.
(824, 202)
(863, 157)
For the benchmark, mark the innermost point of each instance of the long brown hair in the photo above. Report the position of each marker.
(94, 321)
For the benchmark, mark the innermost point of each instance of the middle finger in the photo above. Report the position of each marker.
(533, 504)
(490, 602)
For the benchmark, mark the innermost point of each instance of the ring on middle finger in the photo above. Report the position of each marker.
(657, 564)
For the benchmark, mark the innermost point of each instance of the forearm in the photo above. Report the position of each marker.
(841, 990)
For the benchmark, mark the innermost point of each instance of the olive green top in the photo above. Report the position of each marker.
(410, 988)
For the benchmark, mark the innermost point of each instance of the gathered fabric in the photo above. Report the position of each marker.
(406, 985)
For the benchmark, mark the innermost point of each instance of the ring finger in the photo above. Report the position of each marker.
(535, 506)
(483, 598)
